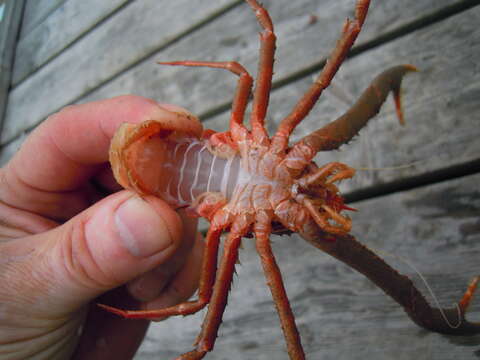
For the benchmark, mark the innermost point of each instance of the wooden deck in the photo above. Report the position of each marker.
(422, 207)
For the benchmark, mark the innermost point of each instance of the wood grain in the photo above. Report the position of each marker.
(67, 23)
(36, 11)
(9, 28)
(119, 43)
(119, 57)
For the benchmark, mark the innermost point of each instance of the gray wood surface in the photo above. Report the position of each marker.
(9, 28)
(117, 44)
(37, 11)
(61, 28)
(233, 36)
(122, 45)
(111, 49)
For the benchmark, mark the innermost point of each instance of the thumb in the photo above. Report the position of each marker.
(107, 245)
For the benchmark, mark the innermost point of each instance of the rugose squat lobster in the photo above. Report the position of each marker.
(245, 182)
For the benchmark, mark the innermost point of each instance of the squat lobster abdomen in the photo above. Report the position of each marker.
(193, 170)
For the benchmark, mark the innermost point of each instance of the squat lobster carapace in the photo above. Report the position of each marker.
(245, 182)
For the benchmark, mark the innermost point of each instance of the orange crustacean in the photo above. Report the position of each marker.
(245, 182)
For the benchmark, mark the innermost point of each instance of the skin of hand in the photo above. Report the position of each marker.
(70, 238)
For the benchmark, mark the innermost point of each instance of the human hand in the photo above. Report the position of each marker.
(66, 239)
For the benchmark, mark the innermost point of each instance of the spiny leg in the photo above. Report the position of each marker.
(211, 323)
(327, 174)
(446, 321)
(265, 73)
(274, 280)
(207, 278)
(306, 103)
(343, 129)
(242, 93)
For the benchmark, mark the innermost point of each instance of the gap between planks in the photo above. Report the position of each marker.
(433, 177)
(80, 36)
(174, 40)
(394, 34)
(29, 24)
(403, 30)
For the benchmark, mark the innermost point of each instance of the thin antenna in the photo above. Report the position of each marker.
(429, 289)
(396, 167)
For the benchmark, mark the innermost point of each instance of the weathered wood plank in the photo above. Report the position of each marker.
(301, 43)
(341, 315)
(7, 152)
(35, 12)
(73, 18)
(440, 102)
(9, 27)
(233, 37)
(120, 42)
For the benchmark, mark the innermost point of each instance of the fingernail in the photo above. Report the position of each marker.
(142, 231)
(176, 109)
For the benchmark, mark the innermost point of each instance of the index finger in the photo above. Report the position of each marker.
(49, 174)
(67, 148)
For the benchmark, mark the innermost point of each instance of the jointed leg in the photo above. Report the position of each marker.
(206, 339)
(242, 93)
(275, 282)
(343, 224)
(327, 174)
(343, 129)
(348, 250)
(306, 103)
(265, 72)
(207, 278)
